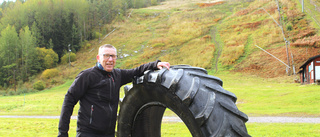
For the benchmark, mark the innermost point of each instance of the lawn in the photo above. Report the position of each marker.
(32, 127)
(46, 102)
(274, 96)
(256, 97)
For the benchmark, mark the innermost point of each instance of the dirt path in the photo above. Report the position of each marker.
(171, 4)
(218, 47)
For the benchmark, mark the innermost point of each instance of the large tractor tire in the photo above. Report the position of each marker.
(196, 97)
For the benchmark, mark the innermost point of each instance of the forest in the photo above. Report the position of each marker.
(39, 34)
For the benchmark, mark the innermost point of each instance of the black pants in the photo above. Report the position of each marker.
(82, 134)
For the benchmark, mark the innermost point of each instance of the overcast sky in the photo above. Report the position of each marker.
(6, 0)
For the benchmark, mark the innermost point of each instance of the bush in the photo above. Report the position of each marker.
(47, 57)
(158, 45)
(39, 85)
(49, 73)
(51, 59)
(65, 58)
(289, 27)
(85, 45)
(22, 91)
(11, 92)
(97, 35)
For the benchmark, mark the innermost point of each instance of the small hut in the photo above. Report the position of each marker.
(310, 71)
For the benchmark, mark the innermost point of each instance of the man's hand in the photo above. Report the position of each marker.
(160, 65)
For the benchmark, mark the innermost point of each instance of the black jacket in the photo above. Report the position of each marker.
(98, 94)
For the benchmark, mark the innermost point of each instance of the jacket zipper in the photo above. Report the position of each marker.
(91, 114)
(111, 87)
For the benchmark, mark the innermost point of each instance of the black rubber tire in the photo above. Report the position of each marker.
(197, 98)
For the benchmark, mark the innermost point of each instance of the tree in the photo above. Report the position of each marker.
(9, 52)
(47, 27)
(35, 31)
(28, 44)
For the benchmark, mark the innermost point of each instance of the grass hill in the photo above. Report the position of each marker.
(216, 35)
(219, 35)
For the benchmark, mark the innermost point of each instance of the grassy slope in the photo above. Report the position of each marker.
(191, 33)
(220, 37)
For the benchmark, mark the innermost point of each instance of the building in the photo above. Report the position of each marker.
(310, 71)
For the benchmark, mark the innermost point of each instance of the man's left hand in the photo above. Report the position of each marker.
(160, 65)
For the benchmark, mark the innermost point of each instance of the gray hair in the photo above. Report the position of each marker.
(107, 46)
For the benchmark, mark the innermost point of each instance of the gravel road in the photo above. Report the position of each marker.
(177, 119)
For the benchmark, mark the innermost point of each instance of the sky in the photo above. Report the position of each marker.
(5, 0)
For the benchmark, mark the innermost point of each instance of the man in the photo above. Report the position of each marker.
(97, 90)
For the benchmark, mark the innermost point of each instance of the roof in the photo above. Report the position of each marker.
(309, 60)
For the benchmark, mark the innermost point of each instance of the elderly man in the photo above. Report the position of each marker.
(97, 90)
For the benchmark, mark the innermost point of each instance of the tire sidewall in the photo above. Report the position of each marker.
(151, 93)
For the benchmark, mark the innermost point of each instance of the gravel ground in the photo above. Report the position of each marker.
(283, 120)
(177, 119)
(263, 119)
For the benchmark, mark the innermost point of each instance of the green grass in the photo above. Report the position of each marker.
(30, 127)
(46, 102)
(274, 96)
(256, 97)
(283, 130)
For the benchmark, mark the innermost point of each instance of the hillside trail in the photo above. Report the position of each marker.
(171, 4)
(218, 46)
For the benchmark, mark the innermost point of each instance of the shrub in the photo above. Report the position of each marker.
(65, 58)
(11, 92)
(158, 45)
(22, 91)
(289, 27)
(47, 57)
(49, 73)
(5, 86)
(39, 85)
(97, 35)
(51, 59)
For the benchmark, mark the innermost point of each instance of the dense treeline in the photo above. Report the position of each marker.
(35, 34)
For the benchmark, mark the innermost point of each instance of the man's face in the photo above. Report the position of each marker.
(107, 58)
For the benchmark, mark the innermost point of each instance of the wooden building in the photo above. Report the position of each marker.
(310, 71)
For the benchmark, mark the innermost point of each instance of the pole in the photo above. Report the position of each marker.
(302, 3)
(69, 54)
(284, 38)
(273, 56)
